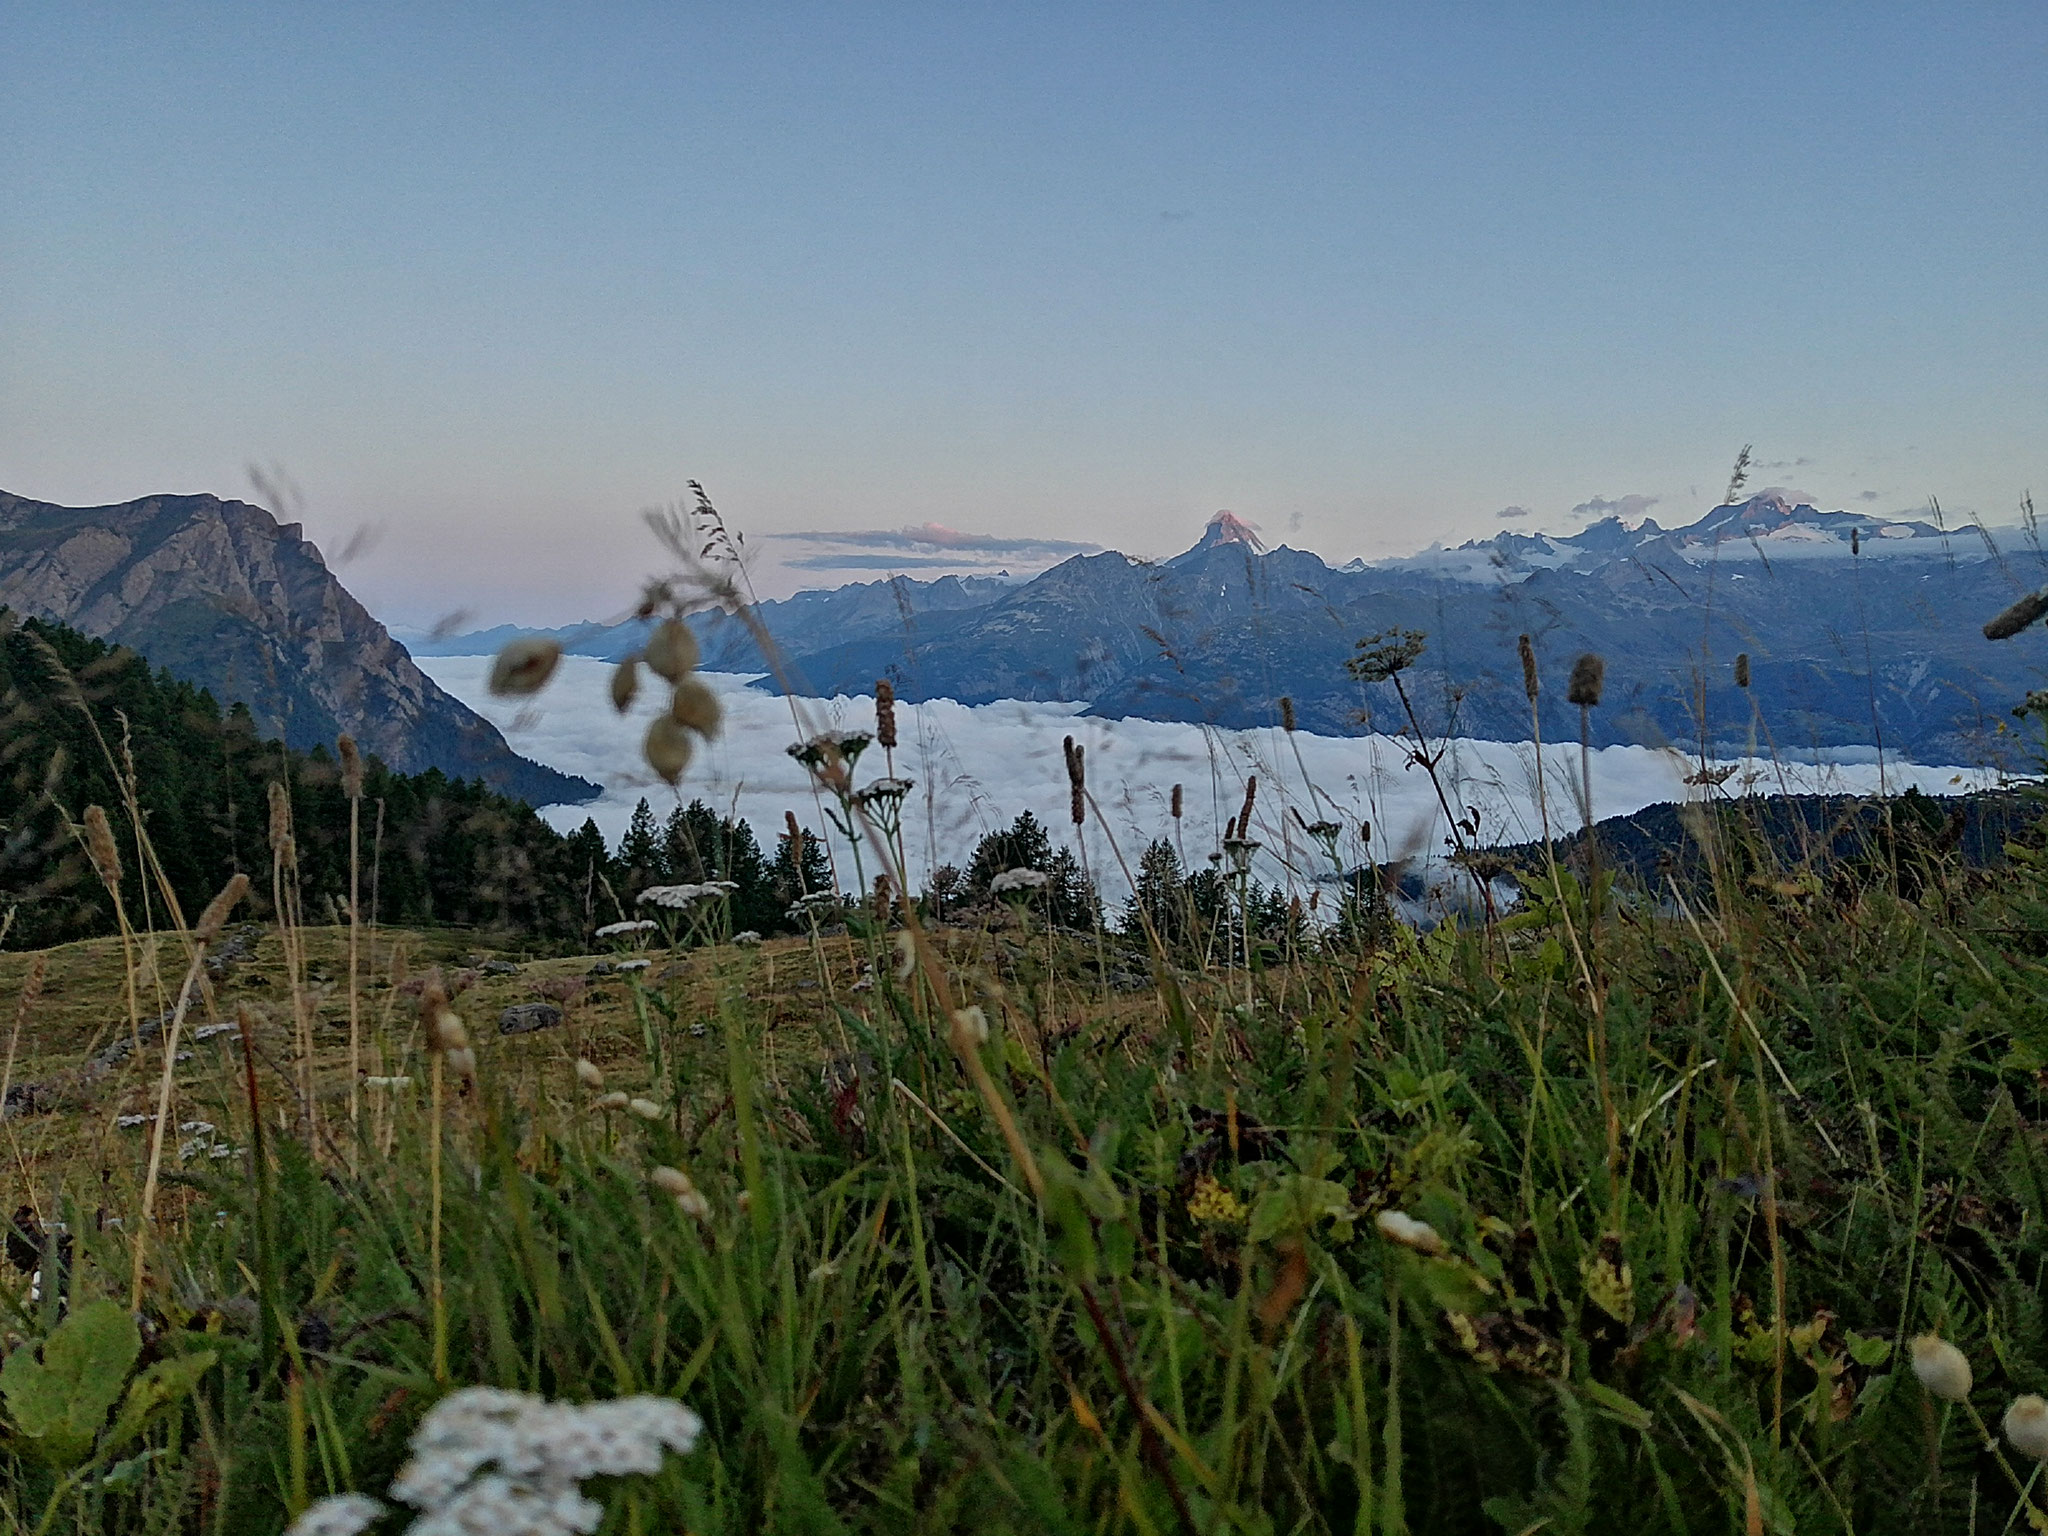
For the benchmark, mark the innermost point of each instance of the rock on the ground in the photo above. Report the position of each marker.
(525, 1018)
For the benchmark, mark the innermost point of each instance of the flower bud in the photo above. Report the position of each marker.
(625, 684)
(696, 708)
(646, 1109)
(1943, 1369)
(614, 1100)
(672, 650)
(524, 665)
(667, 747)
(588, 1074)
(2026, 1426)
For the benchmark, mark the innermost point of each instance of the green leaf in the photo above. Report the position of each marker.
(1119, 1248)
(1296, 1204)
(58, 1396)
(1623, 1410)
(163, 1386)
(1867, 1350)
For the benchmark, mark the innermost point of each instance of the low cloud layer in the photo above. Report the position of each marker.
(928, 545)
(1512, 512)
(981, 765)
(1627, 508)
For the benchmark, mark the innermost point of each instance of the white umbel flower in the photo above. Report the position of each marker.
(345, 1514)
(1943, 1369)
(625, 929)
(1017, 880)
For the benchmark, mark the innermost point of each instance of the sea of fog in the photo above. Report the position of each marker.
(977, 766)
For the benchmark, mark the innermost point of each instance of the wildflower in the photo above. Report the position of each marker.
(970, 1026)
(1943, 1369)
(343, 1515)
(130, 1122)
(589, 1074)
(524, 665)
(906, 955)
(387, 1082)
(884, 790)
(197, 1128)
(2026, 1426)
(2018, 617)
(679, 896)
(625, 684)
(1017, 880)
(667, 747)
(646, 1109)
(672, 650)
(1211, 1202)
(1400, 1227)
(1589, 676)
(746, 938)
(1384, 655)
(830, 748)
(634, 965)
(511, 1463)
(622, 930)
(614, 1100)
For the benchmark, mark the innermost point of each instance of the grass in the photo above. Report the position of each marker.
(1688, 1202)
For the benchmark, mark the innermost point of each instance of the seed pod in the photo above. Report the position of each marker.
(672, 650)
(885, 714)
(695, 707)
(1530, 686)
(625, 684)
(351, 766)
(215, 917)
(1400, 1227)
(1943, 1369)
(99, 847)
(614, 1100)
(667, 747)
(1589, 675)
(1176, 802)
(670, 1181)
(1742, 670)
(589, 1074)
(524, 665)
(646, 1109)
(2026, 1426)
(2020, 615)
(1286, 714)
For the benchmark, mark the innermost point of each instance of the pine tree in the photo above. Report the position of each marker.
(641, 861)
(693, 844)
(1021, 845)
(1160, 895)
(755, 905)
(1071, 900)
(793, 880)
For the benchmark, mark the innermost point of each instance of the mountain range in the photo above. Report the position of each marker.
(1860, 630)
(222, 595)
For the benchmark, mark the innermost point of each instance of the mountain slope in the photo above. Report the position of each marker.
(222, 596)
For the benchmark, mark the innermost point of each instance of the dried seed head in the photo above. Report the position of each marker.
(2018, 617)
(462, 1061)
(906, 955)
(885, 714)
(970, 1027)
(1400, 1227)
(589, 1074)
(2026, 1426)
(672, 650)
(445, 1029)
(625, 684)
(1943, 1369)
(215, 917)
(1286, 713)
(614, 1100)
(667, 747)
(646, 1109)
(796, 839)
(696, 708)
(1530, 686)
(1855, 541)
(1742, 670)
(100, 848)
(1589, 675)
(524, 665)
(1077, 781)
(1176, 802)
(1244, 817)
(281, 842)
(351, 766)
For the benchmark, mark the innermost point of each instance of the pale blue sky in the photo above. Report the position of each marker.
(491, 278)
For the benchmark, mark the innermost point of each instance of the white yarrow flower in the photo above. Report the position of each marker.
(621, 930)
(1017, 880)
(343, 1515)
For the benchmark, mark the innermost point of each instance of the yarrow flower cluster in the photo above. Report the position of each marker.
(679, 896)
(1017, 880)
(511, 1463)
(627, 929)
(830, 747)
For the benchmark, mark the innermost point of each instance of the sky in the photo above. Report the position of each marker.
(974, 287)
